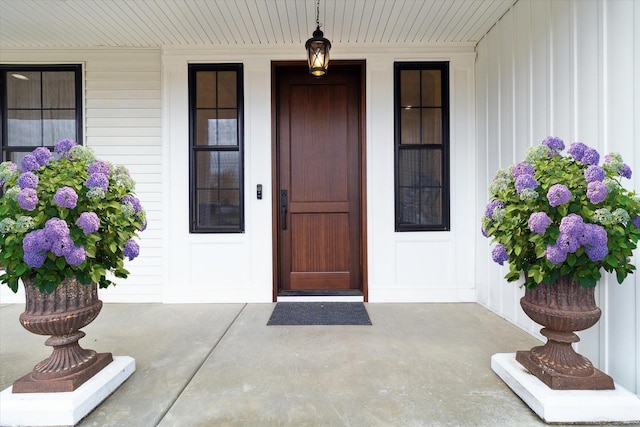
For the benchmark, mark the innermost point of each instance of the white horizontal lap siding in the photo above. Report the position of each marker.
(123, 122)
(569, 69)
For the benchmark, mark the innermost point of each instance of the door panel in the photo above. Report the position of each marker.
(318, 165)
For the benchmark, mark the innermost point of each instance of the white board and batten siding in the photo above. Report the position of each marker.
(122, 98)
(567, 68)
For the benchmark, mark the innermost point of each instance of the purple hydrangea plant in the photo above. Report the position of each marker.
(60, 214)
(586, 216)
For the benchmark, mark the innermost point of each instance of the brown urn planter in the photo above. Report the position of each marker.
(562, 308)
(61, 314)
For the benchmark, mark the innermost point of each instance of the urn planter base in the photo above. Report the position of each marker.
(598, 380)
(29, 384)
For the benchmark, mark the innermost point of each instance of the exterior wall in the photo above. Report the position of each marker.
(569, 69)
(136, 113)
(123, 124)
(238, 267)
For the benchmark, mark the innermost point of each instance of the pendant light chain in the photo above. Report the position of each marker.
(318, 13)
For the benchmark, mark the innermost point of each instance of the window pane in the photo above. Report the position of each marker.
(24, 128)
(410, 88)
(227, 89)
(58, 89)
(206, 127)
(420, 182)
(217, 127)
(432, 126)
(206, 89)
(57, 125)
(431, 88)
(16, 157)
(227, 127)
(410, 126)
(218, 192)
(23, 93)
(218, 169)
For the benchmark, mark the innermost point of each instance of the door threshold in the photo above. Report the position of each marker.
(320, 296)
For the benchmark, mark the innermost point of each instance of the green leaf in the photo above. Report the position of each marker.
(20, 269)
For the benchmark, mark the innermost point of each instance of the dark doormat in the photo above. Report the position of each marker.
(319, 313)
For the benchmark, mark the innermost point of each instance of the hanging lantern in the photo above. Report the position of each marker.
(318, 49)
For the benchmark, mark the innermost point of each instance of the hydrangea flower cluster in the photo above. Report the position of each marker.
(131, 249)
(538, 222)
(58, 218)
(89, 222)
(575, 233)
(54, 237)
(7, 171)
(563, 215)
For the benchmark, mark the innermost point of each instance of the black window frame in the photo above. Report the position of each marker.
(443, 67)
(194, 148)
(5, 69)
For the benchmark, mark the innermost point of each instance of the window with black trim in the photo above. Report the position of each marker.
(216, 148)
(40, 105)
(421, 146)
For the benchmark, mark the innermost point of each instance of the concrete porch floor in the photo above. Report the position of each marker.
(220, 365)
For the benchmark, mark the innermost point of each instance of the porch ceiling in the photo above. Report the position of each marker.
(152, 23)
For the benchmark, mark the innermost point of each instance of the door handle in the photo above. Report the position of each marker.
(284, 203)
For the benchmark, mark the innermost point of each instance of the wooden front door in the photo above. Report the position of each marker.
(318, 179)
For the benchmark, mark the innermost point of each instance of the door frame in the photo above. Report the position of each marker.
(275, 199)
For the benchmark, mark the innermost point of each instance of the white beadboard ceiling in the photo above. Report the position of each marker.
(152, 23)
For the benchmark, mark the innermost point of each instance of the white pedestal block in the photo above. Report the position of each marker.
(566, 406)
(64, 409)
